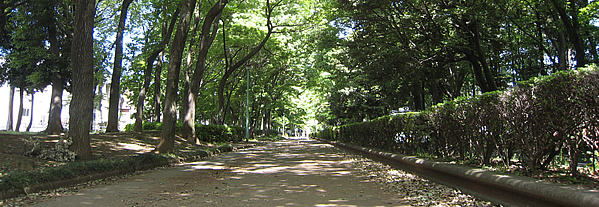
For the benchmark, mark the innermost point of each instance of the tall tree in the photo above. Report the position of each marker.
(81, 108)
(207, 36)
(230, 68)
(11, 100)
(59, 39)
(572, 25)
(167, 137)
(115, 85)
(31, 112)
(20, 111)
(167, 31)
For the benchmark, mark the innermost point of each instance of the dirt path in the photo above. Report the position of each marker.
(289, 173)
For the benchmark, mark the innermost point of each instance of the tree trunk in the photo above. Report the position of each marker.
(482, 57)
(417, 95)
(206, 39)
(593, 46)
(573, 30)
(30, 113)
(188, 128)
(167, 33)
(157, 90)
(231, 69)
(11, 100)
(115, 85)
(478, 72)
(20, 113)
(167, 138)
(58, 84)
(82, 105)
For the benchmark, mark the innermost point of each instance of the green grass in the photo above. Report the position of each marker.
(19, 133)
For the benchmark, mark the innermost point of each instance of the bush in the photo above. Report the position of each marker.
(147, 126)
(536, 120)
(219, 133)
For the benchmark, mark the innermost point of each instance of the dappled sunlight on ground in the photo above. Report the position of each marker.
(284, 158)
(296, 173)
(291, 173)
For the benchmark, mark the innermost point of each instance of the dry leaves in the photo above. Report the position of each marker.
(415, 190)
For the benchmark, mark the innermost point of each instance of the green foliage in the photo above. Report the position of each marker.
(205, 133)
(146, 126)
(219, 133)
(537, 121)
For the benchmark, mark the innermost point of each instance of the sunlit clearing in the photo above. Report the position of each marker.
(134, 147)
(206, 165)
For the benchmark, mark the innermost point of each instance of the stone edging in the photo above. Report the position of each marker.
(556, 194)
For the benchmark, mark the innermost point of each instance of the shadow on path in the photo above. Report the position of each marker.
(286, 173)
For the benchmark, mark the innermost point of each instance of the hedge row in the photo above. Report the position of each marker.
(535, 121)
(205, 133)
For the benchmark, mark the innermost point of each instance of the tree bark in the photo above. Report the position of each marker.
(11, 100)
(478, 72)
(167, 138)
(115, 85)
(488, 74)
(417, 95)
(593, 46)
(20, 113)
(573, 30)
(167, 31)
(82, 57)
(206, 39)
(58, 84)
(30, 113)
(157, 90)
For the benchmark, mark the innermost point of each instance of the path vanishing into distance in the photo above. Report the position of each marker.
(285, 173)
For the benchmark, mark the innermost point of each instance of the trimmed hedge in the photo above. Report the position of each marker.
(536, 121)
(219, 133)
(205, 133)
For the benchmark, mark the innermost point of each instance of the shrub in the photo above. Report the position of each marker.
(537, 120)
(219, 133)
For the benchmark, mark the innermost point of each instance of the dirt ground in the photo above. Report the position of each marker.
(106, 146)
(286, 173)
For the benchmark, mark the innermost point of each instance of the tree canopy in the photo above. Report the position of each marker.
(310, 63)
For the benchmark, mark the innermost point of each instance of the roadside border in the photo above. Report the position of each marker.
(499, 188)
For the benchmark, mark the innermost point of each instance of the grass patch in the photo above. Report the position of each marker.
(4, 132)
(72, 170)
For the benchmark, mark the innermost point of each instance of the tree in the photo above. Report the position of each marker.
(11, 100)
(167, 30)
(167, 137)
(572, 26)
(6, 7)
(207, 36)
(59, 39)
(115, 85)
(82, 55)
(31, 112)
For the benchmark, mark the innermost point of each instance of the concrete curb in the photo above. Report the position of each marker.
(86, 178)
(556, 194)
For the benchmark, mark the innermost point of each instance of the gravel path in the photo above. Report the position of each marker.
(290, 173)
(287, 173)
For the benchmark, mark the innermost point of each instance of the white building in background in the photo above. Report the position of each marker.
(41, 107)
